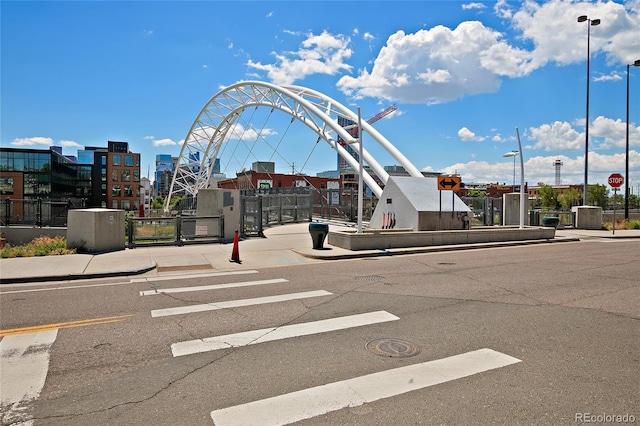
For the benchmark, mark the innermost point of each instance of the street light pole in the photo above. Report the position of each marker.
(636, 63)
(590, 22)
(360, 174)
(513, 154)
(522, 196)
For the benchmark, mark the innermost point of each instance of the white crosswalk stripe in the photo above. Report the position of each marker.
(211, 287)
(24, 362)
(277, 333)
(237, 303)
(191, 276)
(312, 402)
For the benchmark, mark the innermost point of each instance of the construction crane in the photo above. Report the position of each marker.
(353, 130)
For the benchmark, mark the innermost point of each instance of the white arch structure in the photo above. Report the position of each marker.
(317, 111)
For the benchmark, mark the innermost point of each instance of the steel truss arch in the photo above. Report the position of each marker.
(317, 111)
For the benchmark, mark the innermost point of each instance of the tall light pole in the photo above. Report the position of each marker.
(360, 174)
(636, 63)
(513, 154)
(590, 22)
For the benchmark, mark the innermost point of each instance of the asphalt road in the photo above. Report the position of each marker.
(565, 317)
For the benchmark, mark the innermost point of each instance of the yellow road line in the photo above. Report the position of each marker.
(70, 324)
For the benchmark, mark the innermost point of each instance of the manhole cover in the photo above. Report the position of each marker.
(393, 348)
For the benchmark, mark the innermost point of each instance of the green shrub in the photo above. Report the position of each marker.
(41, 246)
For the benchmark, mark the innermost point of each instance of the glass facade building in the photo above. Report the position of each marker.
(100, 177)
(32, 173)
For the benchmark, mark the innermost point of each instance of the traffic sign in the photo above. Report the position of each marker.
(616, 180)
(449, 182)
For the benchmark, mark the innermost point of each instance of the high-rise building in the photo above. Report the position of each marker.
(164, 173)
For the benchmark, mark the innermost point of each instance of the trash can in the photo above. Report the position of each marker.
(318, 233)
(552, 222)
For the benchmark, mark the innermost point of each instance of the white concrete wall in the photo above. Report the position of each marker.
(416, 203)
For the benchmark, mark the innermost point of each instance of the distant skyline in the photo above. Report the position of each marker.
(463, 76)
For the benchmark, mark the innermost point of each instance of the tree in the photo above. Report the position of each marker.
(617, 200)
(598, 195)
(176, 199)
(477, 193)
(548, 196)
(157, 203)
(569, 198)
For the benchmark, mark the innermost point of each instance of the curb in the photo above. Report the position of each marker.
(74, 277)
(433, 249)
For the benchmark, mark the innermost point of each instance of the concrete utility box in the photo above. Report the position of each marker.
(416, 203)
(587, 217)
(96, 230)
(511, 209)
(218, 201)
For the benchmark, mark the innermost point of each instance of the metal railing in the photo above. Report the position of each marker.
(37, 212)
(176, 230)
(259, 211)
(536, 216)
(277, 206)
(487, 211)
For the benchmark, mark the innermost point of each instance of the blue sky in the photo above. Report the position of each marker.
(463, 76)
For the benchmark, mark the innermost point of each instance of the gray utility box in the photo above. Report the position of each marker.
(96, 230)
(225, 202)
(587, 217)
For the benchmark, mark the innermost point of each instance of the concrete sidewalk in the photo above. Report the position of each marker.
(283, 245)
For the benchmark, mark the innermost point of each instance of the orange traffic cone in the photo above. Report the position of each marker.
(235, 253)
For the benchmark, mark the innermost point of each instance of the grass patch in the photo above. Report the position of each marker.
(622, 224)
(41, 246)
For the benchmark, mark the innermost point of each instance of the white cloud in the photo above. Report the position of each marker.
(467, 135)
(270, 14)
(239, 132)
(538, 169)
(441, 64)
(605, 133)
(164, 142)
(368, 36)
(482, 171)
(614, 76)
(502, 9)
(556, 136)
(438, 65)
(468, 6)
(553, 29)
(37, 140)
(320, 54)
(435, 76)
(613, 133)
(70, 144)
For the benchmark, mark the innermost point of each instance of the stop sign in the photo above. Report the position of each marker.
(616, 180)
